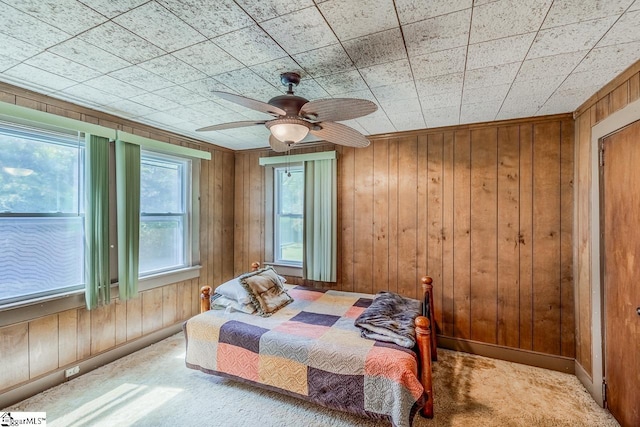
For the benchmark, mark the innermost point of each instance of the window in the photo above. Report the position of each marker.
(288, 205)
(41, 213)
(165, 238)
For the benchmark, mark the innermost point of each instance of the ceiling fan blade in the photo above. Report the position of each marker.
(251, 103)
(337, 109)
(338, 133)
(277, 145)
(232, 125)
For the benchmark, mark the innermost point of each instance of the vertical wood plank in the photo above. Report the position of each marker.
(216, 235)
(151, 310)
(434, 226)
(103, 328)
(239, 249)
(228, 203)
(183, 295)
(483, 234)
(619, 98)
(546, 238)
(407, 218)
(381, 215)
(508, 228)
(446, 300)
(567, 342)
(134, 318)
(525, 237)
(363, 220)
(84, 333)
(634, 87)
(393, 214)
(255, 235)
(422, 207)
(169, 304)
(121, 321)
(602, 108)
(205, 214)
(14, 347)
(43, 345)
(67, 337)
(462, 235)
(348, 212)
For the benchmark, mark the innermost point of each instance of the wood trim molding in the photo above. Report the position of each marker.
(33, 387)
(588, 383)
(525, 357)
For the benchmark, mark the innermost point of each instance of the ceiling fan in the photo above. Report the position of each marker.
(295, 117)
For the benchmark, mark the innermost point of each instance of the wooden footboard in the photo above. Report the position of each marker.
(426, 340)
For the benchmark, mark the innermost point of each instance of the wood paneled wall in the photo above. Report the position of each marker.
(486, 210)
(616, 95)
(45, 344)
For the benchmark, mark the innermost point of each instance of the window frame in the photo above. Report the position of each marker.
(285, 268)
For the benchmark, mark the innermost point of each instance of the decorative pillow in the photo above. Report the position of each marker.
(266, 291)
(234, 290)
(220, 302)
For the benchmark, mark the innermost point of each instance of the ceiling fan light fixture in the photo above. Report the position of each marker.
(289, 130)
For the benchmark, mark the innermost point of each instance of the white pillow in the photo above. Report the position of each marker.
(234, 290)
(220, 302)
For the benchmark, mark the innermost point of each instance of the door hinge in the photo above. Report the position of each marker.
(604, 392)
(601, 155)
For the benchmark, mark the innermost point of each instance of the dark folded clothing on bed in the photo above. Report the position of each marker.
(390, 318)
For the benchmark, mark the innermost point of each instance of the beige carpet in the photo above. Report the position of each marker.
(153, 388)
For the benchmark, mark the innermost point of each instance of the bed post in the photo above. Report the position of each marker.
(255, 266)
(427, 290)
(205, 298)
(423, 338)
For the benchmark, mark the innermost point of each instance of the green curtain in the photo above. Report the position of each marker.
(320, 220)
(128, 217)
(96, 221)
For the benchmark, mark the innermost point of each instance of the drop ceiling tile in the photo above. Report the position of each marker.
(162, 118)
(626, 29)
(411, 120)
(271, 70)
(355, 125)
(18, 50)
(24, 27)
(580, 81)
(571, 11)
(84, 53)
(437, 34)
(569, 38)
(6, 63)
(498, 52)
(356, 18)
(396, 92)
(349, 81)
(616, 57)
(70, 16)
(62, 66)
(111, 8)
(505, 18)
(487, 94)
(250, 46)
(37, 79)
(88, 95)
(126, 108)
(244, 81)
(417, 10)
(121, 42)
(154, 101)
(172, 69)
(360, 94)
(439, 63)
(204, 87)
(378, 48)
(187, 114)
(210, 109)
(141, 78)
(387, 74)
(375, 125)
(400, 106)
(208, 58)
(520, 107)
(539, 89)
(556, 65)
(440, 117)
(440, 100)
(300, 31)
(564, 101)
(491, 76)
(162, 28)
(210, 19)
(635, 6)
(114, 87)
(180, 95)
(446, 83)
(310, 89)
(481, 112)
(324, 61)
(269, 9)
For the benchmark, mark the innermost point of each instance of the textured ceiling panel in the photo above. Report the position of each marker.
(425, 64)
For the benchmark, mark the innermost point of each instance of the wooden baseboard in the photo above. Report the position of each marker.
(525, 357)
(40, 384)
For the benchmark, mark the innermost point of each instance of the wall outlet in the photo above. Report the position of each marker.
(72, 371)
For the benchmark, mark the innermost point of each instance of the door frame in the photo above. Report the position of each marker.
(606, 127)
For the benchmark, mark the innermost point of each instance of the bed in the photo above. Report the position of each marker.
(311, 349)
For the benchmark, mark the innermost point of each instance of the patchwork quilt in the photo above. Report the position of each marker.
(311, 349)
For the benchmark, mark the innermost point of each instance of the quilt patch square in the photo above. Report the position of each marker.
(286, 346)
(390, 363)
(338, 391)
(238, 361)
(315, 318)
(363, 302)
(302, 329)
(300, 293)
(354, 312)
(242, 334)
(283, 373)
